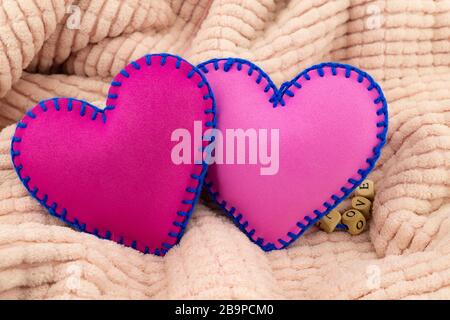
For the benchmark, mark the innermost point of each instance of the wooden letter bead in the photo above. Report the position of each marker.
(362, 205)
(366, 190)
(354, 220)
(330, 221)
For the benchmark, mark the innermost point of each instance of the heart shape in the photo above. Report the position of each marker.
(332, 123)
(109, 172)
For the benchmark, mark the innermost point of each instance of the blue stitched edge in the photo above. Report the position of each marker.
(199, 179)
(277, 99)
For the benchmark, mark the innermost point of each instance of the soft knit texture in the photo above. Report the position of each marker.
(404, 45)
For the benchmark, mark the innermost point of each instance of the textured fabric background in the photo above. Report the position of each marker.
(405, 45)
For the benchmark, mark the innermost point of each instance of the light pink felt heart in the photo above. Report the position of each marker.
(332, 123)
(110, 173)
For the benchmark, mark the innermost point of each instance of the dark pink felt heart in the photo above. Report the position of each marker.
(110, 172)
(331, 121)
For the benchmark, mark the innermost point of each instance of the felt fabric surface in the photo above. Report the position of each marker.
(110, 173)
(404, 45)
(320, 116)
